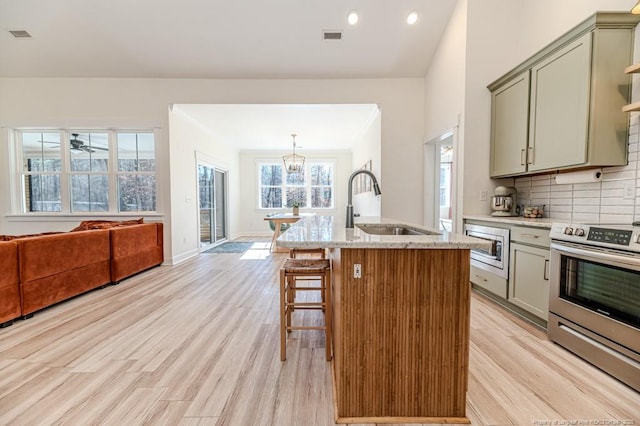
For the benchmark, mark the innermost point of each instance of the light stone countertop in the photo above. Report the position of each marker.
(543, 222)
(330, 232)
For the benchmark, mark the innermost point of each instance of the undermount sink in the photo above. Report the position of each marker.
(393, 230)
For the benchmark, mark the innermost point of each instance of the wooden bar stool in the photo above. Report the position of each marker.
(292, 271)
(294, 253)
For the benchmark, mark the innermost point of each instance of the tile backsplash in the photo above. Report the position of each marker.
(615, 199)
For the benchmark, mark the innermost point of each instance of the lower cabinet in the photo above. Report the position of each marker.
(488, 281)
(529, 279)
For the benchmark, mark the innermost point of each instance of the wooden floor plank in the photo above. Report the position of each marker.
(198, 344)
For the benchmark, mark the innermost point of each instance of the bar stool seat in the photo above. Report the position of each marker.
(295, 252)
(292, 271)
(306, 266)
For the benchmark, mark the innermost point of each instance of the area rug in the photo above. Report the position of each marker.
(231, 247)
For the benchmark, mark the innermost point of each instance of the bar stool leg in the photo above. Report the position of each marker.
(328, 317)
(290, 284)
(283, 334)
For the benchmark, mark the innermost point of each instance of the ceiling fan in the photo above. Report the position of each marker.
(78, 145)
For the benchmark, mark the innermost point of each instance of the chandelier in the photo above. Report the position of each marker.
(293, 163)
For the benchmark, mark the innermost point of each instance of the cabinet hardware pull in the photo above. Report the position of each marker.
(482, 278)
(530, 157)
(546, 269)
(529, 236)
(522, 157)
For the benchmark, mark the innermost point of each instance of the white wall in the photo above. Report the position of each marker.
(493, 42)
(546, 20)
(189, 141)
(445, 80)
(444, 96)
(369, 148)
(76, 103)
(144, 103)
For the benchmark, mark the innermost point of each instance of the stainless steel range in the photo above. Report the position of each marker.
(594, 299)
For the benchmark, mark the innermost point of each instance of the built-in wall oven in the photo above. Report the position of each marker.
(496, 258)
(594, 298)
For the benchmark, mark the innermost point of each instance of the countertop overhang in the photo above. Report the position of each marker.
(330, 232)
(544, 222)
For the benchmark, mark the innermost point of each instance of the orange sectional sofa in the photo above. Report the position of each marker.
(135, 248)
(56, 267)
(39, 271)
(9, 283)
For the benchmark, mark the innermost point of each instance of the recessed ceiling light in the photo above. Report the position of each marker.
(20, 34)
(412, 18)
(353, 17)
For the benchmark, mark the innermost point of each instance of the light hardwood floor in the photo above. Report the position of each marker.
(198, 344)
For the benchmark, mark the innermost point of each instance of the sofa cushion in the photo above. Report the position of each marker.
(86, 225)
(52, 254)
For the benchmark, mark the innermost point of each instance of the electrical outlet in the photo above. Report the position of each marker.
(628, 193)
(357, 270)
(483, 195)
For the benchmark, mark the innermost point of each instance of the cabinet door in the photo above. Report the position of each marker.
(559, 111)
(529, 279)
(509, 126)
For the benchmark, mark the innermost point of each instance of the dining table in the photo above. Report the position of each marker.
(280, 219)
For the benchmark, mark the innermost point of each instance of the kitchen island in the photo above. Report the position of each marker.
(400, 318)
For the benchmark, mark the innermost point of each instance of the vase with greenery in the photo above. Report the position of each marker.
(296, 208)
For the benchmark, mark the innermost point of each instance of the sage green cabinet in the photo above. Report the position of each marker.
(509, 126)
(560, 108)
(575, 90)
(529, 279)
(529, 270)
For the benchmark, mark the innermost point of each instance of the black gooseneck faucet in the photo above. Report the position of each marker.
(376, 190)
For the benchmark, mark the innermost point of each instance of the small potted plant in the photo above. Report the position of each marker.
(296, 208)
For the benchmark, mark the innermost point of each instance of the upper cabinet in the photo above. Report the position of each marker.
(562, 108)
(510, 126)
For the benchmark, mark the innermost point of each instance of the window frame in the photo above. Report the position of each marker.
(66, 173)
(307, 186)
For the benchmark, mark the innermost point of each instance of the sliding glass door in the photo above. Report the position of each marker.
(212, 194)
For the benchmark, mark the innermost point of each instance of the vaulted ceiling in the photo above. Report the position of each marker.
(220, 39)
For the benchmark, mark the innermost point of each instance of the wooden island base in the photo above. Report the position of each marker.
(401, 335)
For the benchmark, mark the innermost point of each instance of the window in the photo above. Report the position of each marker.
(136, 172)
(41, 171)
(311, 188)
(95, 171)
(89, 172)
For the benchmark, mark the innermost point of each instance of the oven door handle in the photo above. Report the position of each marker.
(597, 254)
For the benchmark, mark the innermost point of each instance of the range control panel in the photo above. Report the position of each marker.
(612, 236)
(623, 237)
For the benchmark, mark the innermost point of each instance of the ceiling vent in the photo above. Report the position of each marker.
(331, 35)
(20, 34)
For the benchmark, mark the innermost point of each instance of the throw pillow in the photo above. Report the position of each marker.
(86, 225)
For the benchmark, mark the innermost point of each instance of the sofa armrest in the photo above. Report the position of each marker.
(135, 248)
(10, 306)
